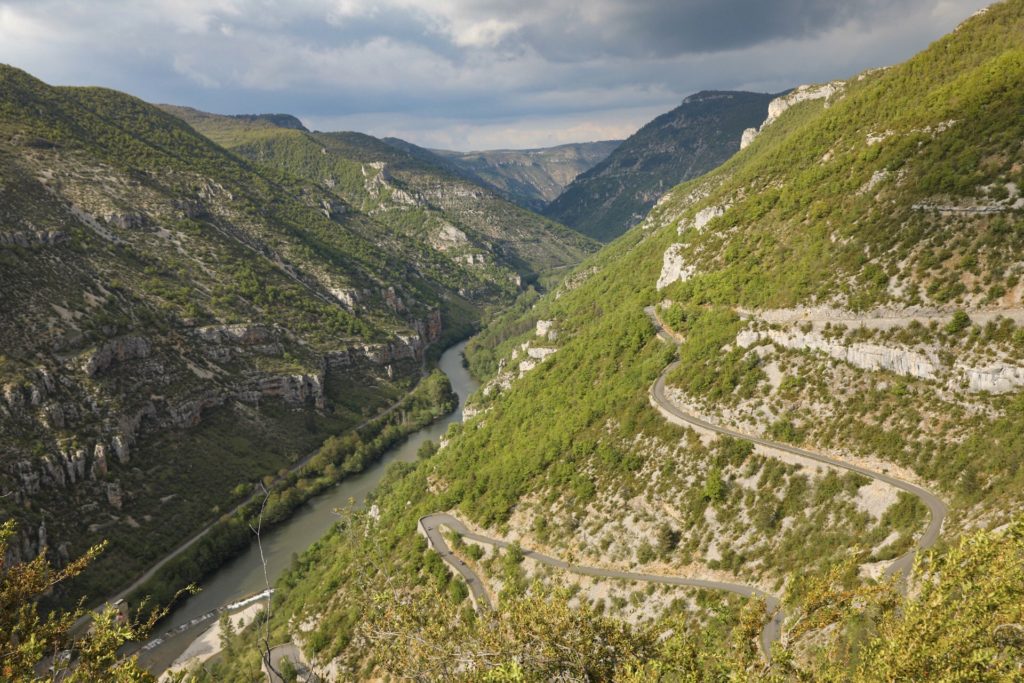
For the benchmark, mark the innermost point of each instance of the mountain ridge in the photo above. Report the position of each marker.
(532, 178)
(695, 137)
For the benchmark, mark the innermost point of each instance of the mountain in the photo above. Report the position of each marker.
(532, 178)
(797, 372)
(499, 244)
(180, 322)
(684, 143)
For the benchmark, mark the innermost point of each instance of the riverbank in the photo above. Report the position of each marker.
(311, 519)
(337, 458)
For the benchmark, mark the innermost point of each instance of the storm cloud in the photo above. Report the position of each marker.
(462, 73)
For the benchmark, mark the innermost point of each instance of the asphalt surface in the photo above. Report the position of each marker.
(430, 524)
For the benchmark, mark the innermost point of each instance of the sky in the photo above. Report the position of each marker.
(462, 74)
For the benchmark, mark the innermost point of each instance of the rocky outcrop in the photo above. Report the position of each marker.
(191, 209)
(995, 378)
(546, 330)
(224, 342)
(115, 496)
(119, 444)
(472, 259)
(243, 335)
(393, 301)
(864, 356)
(802, 93)
(349, 298)
(429, 330)
(33, 239)
(674, 267)
(99, 463)
(188, 413)
(708, 214)
(448, 237)
(333, 208)
(404, 347)
(294, 389)
(748, 136)
(116, 351)
(132, 220)
(380, 184)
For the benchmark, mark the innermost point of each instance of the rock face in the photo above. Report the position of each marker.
(996, 378)
(802, 93)
(546, 330)
(748, 136)
(31, 239)
(448, 237)
(864, 356)
(708, 214)
(131, 220)
(114, 495)
(673, 267)
(116, 351)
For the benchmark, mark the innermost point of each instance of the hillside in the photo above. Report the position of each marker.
(499, 245)
(844, 302)
(179, 323)
(684, 143)
(532, 178)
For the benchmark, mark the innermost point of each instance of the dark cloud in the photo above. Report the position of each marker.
(461, 73)
(653, 28)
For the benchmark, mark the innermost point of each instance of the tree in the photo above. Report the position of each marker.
(29, 640)
(668, 539)
(958, 323)
(714, 487)
(420, 635)
(963, 621)
(289, 674)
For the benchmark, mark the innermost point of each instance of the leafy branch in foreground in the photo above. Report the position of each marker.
(962, 621)
(34, 647)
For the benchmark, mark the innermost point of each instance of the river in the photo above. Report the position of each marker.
(244, 576)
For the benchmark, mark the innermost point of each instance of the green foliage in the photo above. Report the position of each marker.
(34, 647)
(798, 194)
(704, 368)
(958, 323)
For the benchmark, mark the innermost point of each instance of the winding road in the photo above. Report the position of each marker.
(430, 524)
(936, 508)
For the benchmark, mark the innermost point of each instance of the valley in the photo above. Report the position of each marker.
(739, 397)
